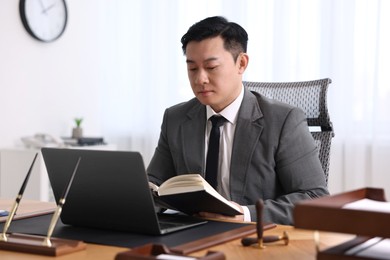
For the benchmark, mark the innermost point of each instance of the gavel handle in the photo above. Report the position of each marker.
(270, 239)
(248, 241)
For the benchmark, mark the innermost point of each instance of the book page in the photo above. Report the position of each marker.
(181, 183)
(190, 183)
(369, 205)
(153, 187)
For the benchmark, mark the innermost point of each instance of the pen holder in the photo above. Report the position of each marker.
(38, 244)
(151, 251)
(33, 244)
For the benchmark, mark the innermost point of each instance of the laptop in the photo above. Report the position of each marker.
(109, 191)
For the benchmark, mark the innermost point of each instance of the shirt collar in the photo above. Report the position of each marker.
(231, 111)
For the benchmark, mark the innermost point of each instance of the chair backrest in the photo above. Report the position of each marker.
(310, 96)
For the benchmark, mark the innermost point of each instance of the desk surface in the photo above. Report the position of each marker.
(301, 245)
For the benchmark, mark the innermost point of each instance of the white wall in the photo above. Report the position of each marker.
(44, 86)
(96, 70)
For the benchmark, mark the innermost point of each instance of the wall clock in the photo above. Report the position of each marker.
(45, 20)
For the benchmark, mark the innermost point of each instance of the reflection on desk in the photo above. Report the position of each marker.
(27, 208)
(301, 245)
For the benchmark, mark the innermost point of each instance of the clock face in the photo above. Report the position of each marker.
(45, 20)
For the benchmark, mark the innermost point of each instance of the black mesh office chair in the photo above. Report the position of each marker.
(310, 96)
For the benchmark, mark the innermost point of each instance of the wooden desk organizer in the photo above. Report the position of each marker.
(328, 214)
(151, 251)
(32, 244)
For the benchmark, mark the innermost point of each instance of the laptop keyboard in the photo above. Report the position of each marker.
(168, 221)
(167, 225)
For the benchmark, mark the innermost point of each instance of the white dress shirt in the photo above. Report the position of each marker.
(226, 144)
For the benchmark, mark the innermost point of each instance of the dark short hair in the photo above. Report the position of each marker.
(234, 36)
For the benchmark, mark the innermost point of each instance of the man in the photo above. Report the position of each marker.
(266, 150)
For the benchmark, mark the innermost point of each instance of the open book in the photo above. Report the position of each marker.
(190, 194)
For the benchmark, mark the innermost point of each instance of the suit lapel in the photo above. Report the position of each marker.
(246, 137)
(193, 138)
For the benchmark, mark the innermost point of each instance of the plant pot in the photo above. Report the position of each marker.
(77, 132)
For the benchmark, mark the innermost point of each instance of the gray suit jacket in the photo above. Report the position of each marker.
(274, 156)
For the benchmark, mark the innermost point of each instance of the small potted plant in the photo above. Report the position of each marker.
(77, 131)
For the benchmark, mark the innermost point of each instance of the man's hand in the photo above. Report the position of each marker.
(224, 217)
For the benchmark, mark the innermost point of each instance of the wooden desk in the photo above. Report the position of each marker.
(301, 245)
(27, 208)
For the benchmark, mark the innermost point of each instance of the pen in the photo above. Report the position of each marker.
(61, 203)
(3, 236)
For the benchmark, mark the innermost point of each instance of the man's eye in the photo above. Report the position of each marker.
(192, 69)
(212, 68)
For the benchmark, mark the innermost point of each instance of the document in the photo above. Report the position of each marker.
(375, 248)
(369, 205)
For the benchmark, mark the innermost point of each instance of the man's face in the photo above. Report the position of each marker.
(215, 78)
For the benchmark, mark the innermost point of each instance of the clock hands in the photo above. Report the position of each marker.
(42, 5)
(45, 9)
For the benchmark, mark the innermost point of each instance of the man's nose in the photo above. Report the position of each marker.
(202, 77)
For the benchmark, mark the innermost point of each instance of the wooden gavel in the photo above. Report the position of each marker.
(260, 239)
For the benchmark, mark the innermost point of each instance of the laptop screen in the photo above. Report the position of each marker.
(109, 191)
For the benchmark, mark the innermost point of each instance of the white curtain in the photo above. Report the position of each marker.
(143, 69)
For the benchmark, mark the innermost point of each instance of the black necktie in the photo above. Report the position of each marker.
(213, 151)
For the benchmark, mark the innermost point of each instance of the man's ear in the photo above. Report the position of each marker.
(242, 62)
